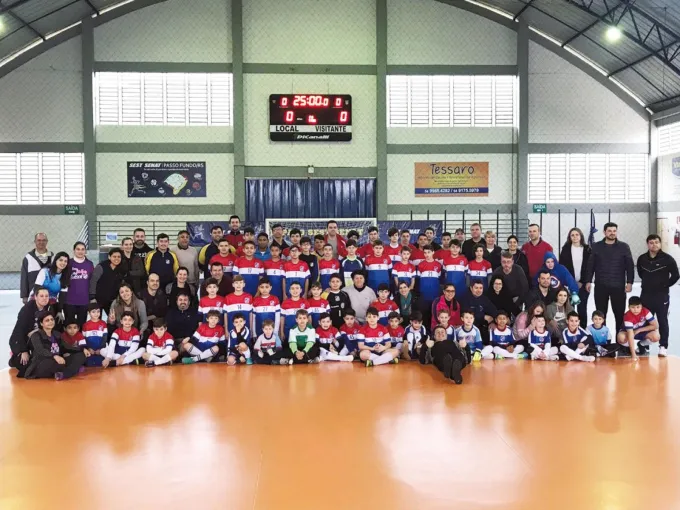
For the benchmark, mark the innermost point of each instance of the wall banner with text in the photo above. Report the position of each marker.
(147, 179)
(463, 179)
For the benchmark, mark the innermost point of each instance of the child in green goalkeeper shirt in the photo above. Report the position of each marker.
(302, 340)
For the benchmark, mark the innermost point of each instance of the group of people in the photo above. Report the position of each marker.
(245, 298)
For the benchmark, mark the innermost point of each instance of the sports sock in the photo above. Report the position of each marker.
(161, 360)
(504, 352)
(206, 355)
(374, 357)
(132, 356)
(246, 354)
(193, 350)
(487, 352)
(570, 353)
(383, 359)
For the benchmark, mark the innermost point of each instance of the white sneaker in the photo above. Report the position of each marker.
(589, 359)
(662, 352)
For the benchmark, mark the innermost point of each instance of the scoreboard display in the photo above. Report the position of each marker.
(310, 117)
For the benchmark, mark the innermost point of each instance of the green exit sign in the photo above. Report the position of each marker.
(540, 208)
(71, 209)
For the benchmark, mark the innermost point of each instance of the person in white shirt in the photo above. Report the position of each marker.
(574, 256)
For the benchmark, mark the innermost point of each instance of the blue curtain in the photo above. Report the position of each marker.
(309, 198)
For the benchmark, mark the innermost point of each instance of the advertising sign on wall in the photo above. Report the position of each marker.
(147, 179)
(463, 179)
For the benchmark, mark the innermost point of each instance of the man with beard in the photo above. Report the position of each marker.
(210, 250)
(182, 321)
(140, 248)
(235, 236)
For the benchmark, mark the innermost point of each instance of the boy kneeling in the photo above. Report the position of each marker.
(639, 327)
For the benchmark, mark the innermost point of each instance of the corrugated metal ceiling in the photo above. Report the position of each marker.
(646, 59)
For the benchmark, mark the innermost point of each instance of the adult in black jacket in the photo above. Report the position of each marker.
(543, 292)
(481, 306)
(468, 248)
(27, 322)
(611, 265)
(574, 256)
(182, 320)
(106, 279)
(492, 252)
(132, 266)
(51, 357)
(499, 296)
(658, 271)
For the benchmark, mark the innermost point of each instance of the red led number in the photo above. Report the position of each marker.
(344, 117)
(311, 119)
(290, 117)
(284, 102)
(338, 102)
(317, 101)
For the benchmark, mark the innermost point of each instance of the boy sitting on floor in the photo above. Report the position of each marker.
(415, 336)
(302, 340)
(268, 348)
(238, 342)
(160, 346)
(375, 347)
(208, 342)
(328, 338)
(123, 346)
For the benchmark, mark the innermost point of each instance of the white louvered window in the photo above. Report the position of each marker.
(42, 178)
(164, 99)
(450, 101)
(588, 178)
(669, 139)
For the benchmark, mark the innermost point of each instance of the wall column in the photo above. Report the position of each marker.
(239, 117)
(653, 177)
(90, 156)
(523, 121)
(381, 107)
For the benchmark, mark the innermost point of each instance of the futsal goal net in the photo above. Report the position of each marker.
(312, 226)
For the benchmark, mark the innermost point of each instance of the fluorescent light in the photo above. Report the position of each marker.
(586, 60)
(112, 7)
(505, 14)
(54, 34)
(543, 34)
(35, 43)
(613, 34)
(627, 91)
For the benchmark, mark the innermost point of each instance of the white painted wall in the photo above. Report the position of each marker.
(429, 32)
(443, 135)
(568, 106)
(360, 152)
(164, 134)
(19, 231)
(401, 178)
(112, 179)
(42, 100)
(309, 31)
(172, 31)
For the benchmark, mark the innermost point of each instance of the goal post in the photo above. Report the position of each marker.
(312, 226)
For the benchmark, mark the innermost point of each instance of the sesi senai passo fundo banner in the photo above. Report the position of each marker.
(167, 179)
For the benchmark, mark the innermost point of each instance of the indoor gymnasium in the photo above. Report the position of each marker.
(339, 254)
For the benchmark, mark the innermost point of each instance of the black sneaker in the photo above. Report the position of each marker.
(447, 364)
(642, 350)
(455, 372)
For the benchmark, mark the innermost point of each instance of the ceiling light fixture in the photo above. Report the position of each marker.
(613, 34)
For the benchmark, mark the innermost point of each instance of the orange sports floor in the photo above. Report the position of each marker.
(517, 435)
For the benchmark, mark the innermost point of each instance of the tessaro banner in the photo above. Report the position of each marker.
(462, 179)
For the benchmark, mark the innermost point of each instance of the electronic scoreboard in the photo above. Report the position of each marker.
(310, 117)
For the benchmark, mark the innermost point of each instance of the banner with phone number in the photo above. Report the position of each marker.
(462, 179)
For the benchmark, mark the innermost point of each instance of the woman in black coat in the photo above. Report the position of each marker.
(25, 325)
(519, 258)
(499, 296)
(51, 357)
(574, 256)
